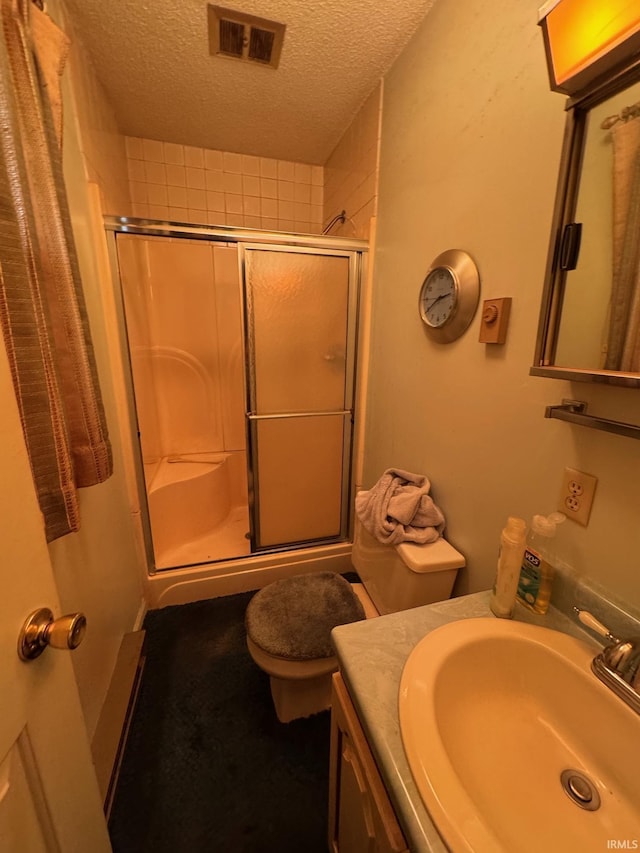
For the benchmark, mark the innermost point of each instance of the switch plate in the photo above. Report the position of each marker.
(576, 495)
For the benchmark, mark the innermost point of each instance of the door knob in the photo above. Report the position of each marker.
(41, 630)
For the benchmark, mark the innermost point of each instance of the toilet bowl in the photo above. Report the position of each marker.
(393, 578)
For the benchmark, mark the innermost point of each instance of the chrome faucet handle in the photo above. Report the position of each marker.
(618, 664)
(618, 667)
(595, 625)
(623, 658)
(620, 656)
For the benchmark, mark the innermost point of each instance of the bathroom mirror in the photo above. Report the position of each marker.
(589, 328)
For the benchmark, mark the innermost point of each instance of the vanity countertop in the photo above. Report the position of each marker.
(372, 655)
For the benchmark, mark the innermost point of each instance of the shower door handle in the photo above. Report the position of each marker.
(252, 416)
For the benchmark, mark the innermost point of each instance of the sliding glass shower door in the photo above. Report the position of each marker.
(242, 364)
(300, 311)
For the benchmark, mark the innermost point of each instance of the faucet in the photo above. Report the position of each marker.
(618, 664)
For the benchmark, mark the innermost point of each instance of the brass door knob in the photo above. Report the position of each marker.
(41, 630)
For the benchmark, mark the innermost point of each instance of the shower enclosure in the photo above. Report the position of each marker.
(241, 346)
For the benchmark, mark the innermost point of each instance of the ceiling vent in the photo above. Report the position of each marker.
(239, 36)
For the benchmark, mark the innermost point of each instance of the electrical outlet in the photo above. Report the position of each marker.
(576, 495)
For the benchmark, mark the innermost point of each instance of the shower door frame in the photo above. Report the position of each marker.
(357, 248)
(347, 412)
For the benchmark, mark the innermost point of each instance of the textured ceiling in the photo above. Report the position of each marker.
(153, 60)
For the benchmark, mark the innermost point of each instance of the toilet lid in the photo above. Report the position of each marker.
(293, 618)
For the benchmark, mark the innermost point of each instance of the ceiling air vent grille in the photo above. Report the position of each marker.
(239, 36)
(231, 38)
(261, 45)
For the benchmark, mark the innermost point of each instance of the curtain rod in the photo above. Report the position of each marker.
(624, 115)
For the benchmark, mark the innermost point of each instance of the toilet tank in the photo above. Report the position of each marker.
(407, 575)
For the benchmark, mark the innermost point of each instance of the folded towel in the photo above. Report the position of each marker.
(398, 509)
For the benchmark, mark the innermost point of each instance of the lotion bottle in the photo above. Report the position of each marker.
(512, 545)
(536, 575)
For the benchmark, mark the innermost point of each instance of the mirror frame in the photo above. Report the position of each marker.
(577, 109)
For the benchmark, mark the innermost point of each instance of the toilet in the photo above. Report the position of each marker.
(289, 622)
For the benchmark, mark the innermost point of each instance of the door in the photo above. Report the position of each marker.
(300, 309)
(361, 817)
(49, 798)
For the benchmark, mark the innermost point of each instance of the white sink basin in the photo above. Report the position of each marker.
(491, 714)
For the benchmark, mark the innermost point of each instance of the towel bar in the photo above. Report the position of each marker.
(574, 411)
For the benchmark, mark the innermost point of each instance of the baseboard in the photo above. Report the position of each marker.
(111, 732)
(142, 612)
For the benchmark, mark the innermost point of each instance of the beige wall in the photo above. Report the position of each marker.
(471, 140)
(97, 570)
(186, 184)
(100, 141)
(351, 172)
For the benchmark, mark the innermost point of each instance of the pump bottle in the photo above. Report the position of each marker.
(536, 575)
(512, 544)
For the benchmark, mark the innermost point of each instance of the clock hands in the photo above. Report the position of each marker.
(437, 299)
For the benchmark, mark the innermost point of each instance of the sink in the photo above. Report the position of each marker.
(492, 714)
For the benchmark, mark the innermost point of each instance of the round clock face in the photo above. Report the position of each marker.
(438, 297)
(449, 296)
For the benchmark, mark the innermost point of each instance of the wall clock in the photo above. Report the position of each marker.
(449, 295)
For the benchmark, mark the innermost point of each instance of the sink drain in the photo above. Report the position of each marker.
(580, 789)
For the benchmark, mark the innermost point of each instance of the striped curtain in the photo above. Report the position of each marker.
(623, 346)
(42, 312)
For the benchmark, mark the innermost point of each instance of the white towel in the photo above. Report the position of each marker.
(398, 509)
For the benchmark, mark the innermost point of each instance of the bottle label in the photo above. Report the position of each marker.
(534, 569)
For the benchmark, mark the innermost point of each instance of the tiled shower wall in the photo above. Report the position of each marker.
(186, 184)
(351, 172)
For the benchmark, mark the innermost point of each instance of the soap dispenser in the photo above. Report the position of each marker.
(512, 544)
(536, 574)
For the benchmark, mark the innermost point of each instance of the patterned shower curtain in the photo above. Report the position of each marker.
(42, 311)
(623, 346)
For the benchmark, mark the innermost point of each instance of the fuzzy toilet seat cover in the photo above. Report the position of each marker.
(293, 618)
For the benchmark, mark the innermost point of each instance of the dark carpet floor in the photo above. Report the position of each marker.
(207, 765)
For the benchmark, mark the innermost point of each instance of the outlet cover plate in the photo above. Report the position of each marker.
(576, 495)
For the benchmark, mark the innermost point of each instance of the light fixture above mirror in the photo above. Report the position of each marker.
(587, 39)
